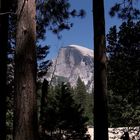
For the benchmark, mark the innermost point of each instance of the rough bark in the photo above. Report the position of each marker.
(100, 81)
(25, 121)
(3, 66)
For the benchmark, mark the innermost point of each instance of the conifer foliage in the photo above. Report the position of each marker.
(64, 118)
(124, 74)
(126, 10)
(85, 99)
(49, 15)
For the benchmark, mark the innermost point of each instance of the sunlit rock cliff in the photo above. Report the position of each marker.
(73, 61)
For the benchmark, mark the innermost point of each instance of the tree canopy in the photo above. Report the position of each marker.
(63, 117)
(124, 74)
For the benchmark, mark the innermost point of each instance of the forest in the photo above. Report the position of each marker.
(31, 108)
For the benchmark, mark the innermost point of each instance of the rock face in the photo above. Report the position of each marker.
(72, 62)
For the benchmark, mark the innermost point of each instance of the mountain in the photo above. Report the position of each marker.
(73, 61)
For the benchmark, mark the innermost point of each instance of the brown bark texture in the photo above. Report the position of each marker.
(25, 116)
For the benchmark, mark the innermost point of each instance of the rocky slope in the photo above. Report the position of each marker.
(73, 61)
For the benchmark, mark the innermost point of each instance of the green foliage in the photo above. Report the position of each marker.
(54, 14)
(50, 14)
(89, 108)
(9, 124)
(83, 98)
(124, 74)
(126, 10)
(80, 93)
(63, 116)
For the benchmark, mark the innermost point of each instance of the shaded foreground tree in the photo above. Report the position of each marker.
(124, 74)
(3, 65)
(25, 117)
(54, 19)
(100, 85)
(44, 91)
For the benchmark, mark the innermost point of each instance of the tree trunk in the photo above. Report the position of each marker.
(43, 105)
(25, 121)
(100, 82)
(3, 66)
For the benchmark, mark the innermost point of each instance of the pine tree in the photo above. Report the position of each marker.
(25, 123)
(45, 18)
(84, 99)
(64, 117)
(44, 99)
(81, 93)
(100, 78)
(123, 74)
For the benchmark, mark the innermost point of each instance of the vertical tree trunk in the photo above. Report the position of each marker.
(3, 66)
(43, 105)
(100, 84)
(25, 121)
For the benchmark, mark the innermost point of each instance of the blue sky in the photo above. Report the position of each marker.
(82, 31)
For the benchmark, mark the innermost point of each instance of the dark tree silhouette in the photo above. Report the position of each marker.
(45, 87)
(64, 117)
(100, 84)
(3, 65)
(124, 74)
(126, 10)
